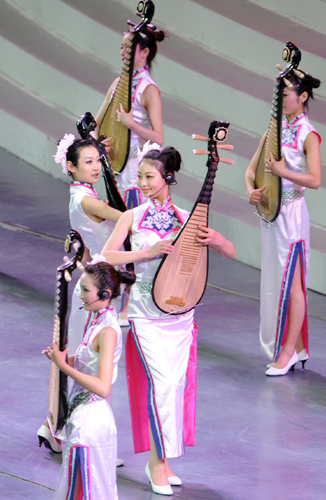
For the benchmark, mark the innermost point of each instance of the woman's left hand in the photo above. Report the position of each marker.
(58, 357)
(125, 118)
(275, 167)
(207, 236)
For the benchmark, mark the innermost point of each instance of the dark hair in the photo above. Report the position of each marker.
(305, 84)
(106, 277)
(150, 39)
(167, 160)
(73, 152)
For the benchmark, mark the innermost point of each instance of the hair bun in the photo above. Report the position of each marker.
(315, 82)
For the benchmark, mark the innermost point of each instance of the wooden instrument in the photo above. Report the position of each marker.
(58, 406)
(180, 280)
(269, 206)
(119, 133)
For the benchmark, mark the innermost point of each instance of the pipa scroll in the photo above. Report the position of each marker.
(181, 278)
(57, 407)
(269, 206)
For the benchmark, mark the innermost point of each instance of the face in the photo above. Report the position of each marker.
(150, 181)
(140, 58)
(293, 105)
(89, 165)
(88, 294)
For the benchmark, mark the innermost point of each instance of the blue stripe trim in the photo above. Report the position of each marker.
(132, 195)
(297, 248)
(79, 457)
(151, 407)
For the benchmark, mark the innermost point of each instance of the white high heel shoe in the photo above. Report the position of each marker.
(160, 490)
(275, 372)
(303, 356)
(174, 481)
(50, 442)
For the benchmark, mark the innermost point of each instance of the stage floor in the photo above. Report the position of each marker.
(257, 438)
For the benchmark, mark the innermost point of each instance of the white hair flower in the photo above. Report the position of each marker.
(97, 258)
(62, 148)
(146, 148)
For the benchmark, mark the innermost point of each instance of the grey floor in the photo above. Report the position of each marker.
(257, 438)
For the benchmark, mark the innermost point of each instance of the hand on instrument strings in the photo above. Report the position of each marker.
(159, 248)
(216, 241)
(125, 118)
(256, 195)
(206, 236)
(275, 167)
(58, 357)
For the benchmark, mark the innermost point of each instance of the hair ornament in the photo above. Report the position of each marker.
(146, 148)
(62, 148)
(97, 258)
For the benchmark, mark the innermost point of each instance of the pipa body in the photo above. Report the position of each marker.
(57, 404)
(119, 133)
(269, 206)
(181, 278)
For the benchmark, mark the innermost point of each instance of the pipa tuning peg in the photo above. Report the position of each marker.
(198, 137)
(80, 265)
(227, 147)
(227, 160)
(279, 67)
(298, 73)
(287, 83)
(67, 276)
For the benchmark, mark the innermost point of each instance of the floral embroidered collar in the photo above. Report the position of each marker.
(291, 124)
(140, 70)
(88, 187)
(94, 321)
(161, 208)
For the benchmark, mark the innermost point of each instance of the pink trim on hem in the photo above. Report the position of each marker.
(137, 390)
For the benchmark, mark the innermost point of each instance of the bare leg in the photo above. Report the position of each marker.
(79, 495)
(296, 314)
(157, 466)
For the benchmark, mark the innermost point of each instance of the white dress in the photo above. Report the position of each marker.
(158, 346)
(90, 431)
(283, 241)
(94, 236)
(127, 179)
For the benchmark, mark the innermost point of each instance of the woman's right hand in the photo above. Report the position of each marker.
(106, 143)
(161, 247)
(256, 195)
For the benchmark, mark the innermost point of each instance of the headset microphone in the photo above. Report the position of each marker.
(169, 179)
(102, 295)
(89, 303)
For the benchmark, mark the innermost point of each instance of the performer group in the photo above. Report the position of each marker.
(161, 348)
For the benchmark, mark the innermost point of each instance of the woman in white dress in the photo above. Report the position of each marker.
(89, 457)
(160, 350)
(286, 242)
(93, 219)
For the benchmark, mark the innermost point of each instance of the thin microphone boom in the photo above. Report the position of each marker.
(82, 307)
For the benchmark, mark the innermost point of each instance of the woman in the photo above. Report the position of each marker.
(89, 457)
(144, 121)
(93, 219)
(145, 117)
(285, 243)
(160, 349)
